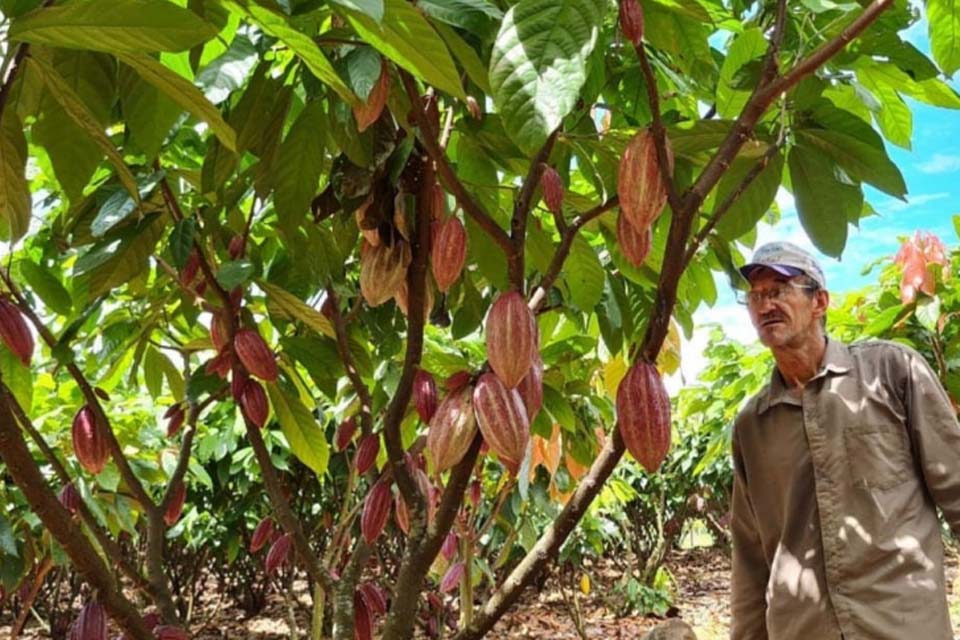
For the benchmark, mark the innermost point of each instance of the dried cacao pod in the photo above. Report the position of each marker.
(253, 402)
(169, 632)
(374, 598)
(91, 624)
(175, 506)
(89, 441)
(15, 332)
(255, 355)
(362, 619)
(175, 419)
(511, 338)
(452, 429)
(382, 270)
(643, 415)
(531, 388)
(425, 395)
(503, 420)
(279, 553)
(367, 453)
(345, 433)
(236, 246)
(552, 189)
(640, 183)
(369, 112)
(449, 548)
(70, 498)
(261, 535)
(452, 577)
(634, 243)
(631, 21)
(449, 252)
(376, 510)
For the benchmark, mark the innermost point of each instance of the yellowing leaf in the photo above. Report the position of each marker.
(668, 361)
(613, 373)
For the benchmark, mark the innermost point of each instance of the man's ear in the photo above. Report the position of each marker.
(821, 301)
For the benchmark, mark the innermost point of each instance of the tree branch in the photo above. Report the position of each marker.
(659, 131)
(521, 212)
(343, 348)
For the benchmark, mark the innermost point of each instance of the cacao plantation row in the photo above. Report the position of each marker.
(376, 295)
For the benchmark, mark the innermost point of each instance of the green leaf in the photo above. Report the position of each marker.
(15, 202)
(943, 23)
(466, 55)
(473, 16)
(182, 92)
(928, 313)
(298, 167)
(748, 46)
(117, 260)
(824, 203)
(754, 202)
(372, 8)
(153, 371)
(303, 434)
(583, 274)
(47, 286)
(148, 114)
(114, 26)
(181, 241)
(363, 66)
(120, 205)
(17, 377)
(539, 64)
(894, 117)
(235, 273)
(287, 305)
(956, 225)
(559, 408)
(406, 37)
(881, 323)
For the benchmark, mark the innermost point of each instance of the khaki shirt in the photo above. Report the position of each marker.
(834, 522)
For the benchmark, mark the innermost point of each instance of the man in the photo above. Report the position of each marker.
(839, 464)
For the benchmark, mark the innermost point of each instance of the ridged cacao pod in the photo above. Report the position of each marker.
(279, 553)
(369, 112)
(362, 619)
(376, 510)
(552, 189)
(457, 381)
(503, 420)
(255, 355)
(402, 299)
(218, 332)
(368, 229)
(531, 388)
(401, 514)
(238, 382)
(89, 441)
(452, 429)
(634, 243)
(425, 394)
(219, 364)
(382, 270)
(374, 598)
(91, 624)
(15, 332)
(367, 453)
(175, 507)
(70, 498)
(476, 492)
(236, 246)
(631, 21)
(345, 433)
(261, 535)
(449, 252)
(640, 184)
(254, 404)
(189, 271)
(511, 338)
(452, 577)
(175, 420)
(449, 548)
(169, 632)
(643, 415)
(438, 201)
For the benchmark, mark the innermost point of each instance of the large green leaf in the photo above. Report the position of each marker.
(583, 274)
(298, 166)
(47, 286)
(114, 26)
(466, 55)
(17, 377)
(473, 16)
(15, 202)
(406, 37)
(731, 95)
(824, 202)
(754, 202)
(290, 306)
(148, 114)
(539, 64)
(943, 20)
(372, 8)
(119, 258)
(894, 117)
(303, 434)
(932, 91)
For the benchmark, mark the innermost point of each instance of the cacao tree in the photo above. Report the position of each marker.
(404, 248)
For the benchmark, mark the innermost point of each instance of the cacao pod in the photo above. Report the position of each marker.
(91, 624)
(374, 598)
(531, 388)
(89, 441)
(152, 620)
(238, 383)
(261, 535)
(279, 553)
(552, 189)
(218, 332)
(345, 433)
(236, 246)
(189, 271)
(643, 415)
(452, 429)
(640, 183)
(369, 112)
(425, 395)
(634, 243)
(435, 602)
(382, 269)
(511, 338)
(236, 297)
(15, 332)
(401, 297)
(169, 632)
(449, 548)
(175, 506)
(457, 381)
(70, 498)
(476, 492)
(402, 514)
(631, 21)
(175, 420)
(449, 252)
(438, 203)
(367, 453)
(452, 577)
(503, 420)
(255, 355)
(368, 229)
(254, 404)
(219, 365)
(376, 509)
(362, 619)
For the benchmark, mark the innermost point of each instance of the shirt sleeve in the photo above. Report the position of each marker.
(936, 436)
(748, 601)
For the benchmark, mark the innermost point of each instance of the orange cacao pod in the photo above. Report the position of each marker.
(531, 388)
(91, 624)
(376, 510)
(634, 243)
(511, 338)
(382, 270)
(15, 332)
(255, 355)
(261, 535)
(449, 252)
(345, 433)
(369, 112)
(552, 189)
(89, 441)
(640, 184)
(70, 498)
(476, 492)
(279, 553)
(643, 415)
(362, 619)
(253, 402)
(367, 453)
(175, 506)
(425, 394)
(631, 21)
(503, 420)
(452, 429)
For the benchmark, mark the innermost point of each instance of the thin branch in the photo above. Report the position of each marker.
(521, 212)
(343, 348)
(659, 131)
(770, 63)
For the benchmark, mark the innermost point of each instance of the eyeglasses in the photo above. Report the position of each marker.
(773, 294)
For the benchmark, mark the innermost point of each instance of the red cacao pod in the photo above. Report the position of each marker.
(189, 271)
(438, 203)
(254, 404)
(169, 632)
(70, 498)
(345, 433)
(643, 415)
(503, 420)
(175, 506)
(218, 332)
(634, 243)
(457, 381)
(238, 382)
(452, 577)
(402, 514)
(261, 535)
(452, 429)
(449, 548)
(476, 492)
(279, 553)
(631, 21)
(369, 112)
(552, 189)
(255, 355)
(175, 420)
(15, 332)
(382, 269)
(91, 624)
(640, 183)
(449, 252)
(511, 338)
(152, 620)
(220, 364)
(435, 602)
(236, 296)
(236, 246)
(374, 598)
(362, 619)
(531, 388)
(376, 510)
(367, 453)
(89, 441)
(425, 394)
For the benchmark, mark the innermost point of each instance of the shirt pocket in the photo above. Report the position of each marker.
(879, 455)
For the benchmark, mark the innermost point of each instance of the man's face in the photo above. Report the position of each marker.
(784, 314)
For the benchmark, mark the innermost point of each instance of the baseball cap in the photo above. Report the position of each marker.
(786, 259)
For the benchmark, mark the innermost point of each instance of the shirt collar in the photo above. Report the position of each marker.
(836, 360)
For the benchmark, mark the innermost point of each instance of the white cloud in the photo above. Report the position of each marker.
(940, 163)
